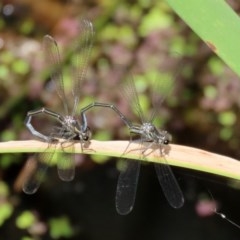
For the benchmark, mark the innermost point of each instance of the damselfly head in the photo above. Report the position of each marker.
(86, 135)
(164, 138)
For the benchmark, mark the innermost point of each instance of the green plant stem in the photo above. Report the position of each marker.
(176, 155)
(216, 23)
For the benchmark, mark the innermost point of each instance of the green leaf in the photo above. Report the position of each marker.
(216, 66)
(7, 57)
(100, 159)
(226, 133)
(103, 135)
(6, 210)
(8, 135)
(155, 19)
(60, 227)
(20, 66)
(210, 91)
(2, 24)
(216, 24)
(25, 220)
(227, 118)
(7, 160)
(4, 190)
(27, 238)
(27, 26)
(4, 72)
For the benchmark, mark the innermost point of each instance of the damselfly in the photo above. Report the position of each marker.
(69, 126)
(150, 137)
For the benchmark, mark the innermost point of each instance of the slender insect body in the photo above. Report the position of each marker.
(72, 129)
(151, 134)
(128, 178)
(68, 127)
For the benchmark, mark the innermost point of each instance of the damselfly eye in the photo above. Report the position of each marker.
(85, 138)
(86, 135)
(166, 142)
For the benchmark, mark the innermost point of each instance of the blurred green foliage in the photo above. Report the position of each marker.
(4, 190)
(143, 37)
(216, 66)
(210, 92)
(20, 67)
(155, 21)
(6, 210)
(25, 220)
(27, 238)
(60, 227)
(227, 118)
(27, 26)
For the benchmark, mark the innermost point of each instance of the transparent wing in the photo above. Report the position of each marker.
(54, 62)
(129, 92)
(36, 168)
(169, 185)
(81, 53)
(163, 87)
(66, 166)
(65, 161)
(127, 187)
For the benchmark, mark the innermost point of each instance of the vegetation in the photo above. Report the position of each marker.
(202, 112)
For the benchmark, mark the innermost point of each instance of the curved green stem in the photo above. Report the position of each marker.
(176, 155)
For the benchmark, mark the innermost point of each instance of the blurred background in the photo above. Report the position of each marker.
(202, 111)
